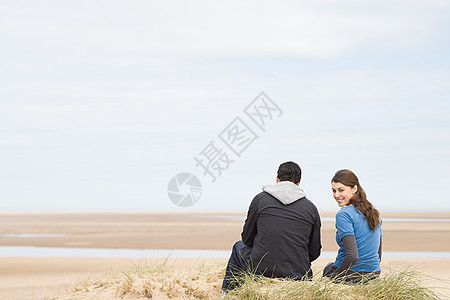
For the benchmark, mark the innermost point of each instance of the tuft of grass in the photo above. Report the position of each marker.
(162, 281)
(405, 284)
(152, 281)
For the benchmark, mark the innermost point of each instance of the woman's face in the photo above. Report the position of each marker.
(342, 193)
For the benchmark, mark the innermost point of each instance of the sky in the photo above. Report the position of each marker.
(104, 103)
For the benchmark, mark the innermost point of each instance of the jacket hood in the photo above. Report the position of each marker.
(285, 191)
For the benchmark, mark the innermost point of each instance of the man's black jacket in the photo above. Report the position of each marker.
(282, 238)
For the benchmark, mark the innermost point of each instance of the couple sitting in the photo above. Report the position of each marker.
(281, 235)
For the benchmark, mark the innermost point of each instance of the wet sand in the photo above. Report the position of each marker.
(38, 278)
(194, 231)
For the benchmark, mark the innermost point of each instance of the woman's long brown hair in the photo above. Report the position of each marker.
(359, 200)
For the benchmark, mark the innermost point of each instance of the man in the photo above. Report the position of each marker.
(281, 235)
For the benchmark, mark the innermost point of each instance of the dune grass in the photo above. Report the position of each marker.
(152, 281)
(405, 284)
(163, 281)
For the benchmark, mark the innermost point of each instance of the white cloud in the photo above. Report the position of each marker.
(291, 28)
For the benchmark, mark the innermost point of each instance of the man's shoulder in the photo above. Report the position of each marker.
(258, 197)
(261, 195)
(308, 202)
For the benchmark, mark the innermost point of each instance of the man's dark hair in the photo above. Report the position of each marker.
(289, 171)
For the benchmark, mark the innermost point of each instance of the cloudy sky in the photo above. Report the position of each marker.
(102, 103)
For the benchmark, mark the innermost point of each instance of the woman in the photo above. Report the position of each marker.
(358, 233)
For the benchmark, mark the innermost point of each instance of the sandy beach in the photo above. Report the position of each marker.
(47, 277)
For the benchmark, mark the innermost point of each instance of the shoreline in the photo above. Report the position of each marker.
(194, 231)
(56, 252)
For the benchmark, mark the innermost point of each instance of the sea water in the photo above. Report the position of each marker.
(31, 251)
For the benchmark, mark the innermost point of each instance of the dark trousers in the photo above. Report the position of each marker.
(350, 276)
(236, 266)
